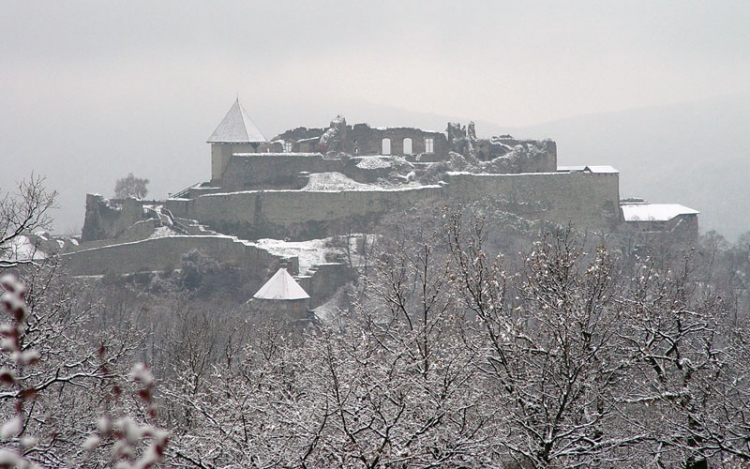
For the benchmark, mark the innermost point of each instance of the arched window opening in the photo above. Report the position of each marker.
(407, 146)
(386, 149)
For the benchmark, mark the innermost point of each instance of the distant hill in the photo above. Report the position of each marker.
(696, 154)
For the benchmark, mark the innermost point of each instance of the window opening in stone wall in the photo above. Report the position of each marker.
(429, 145)
(386, 146)
(287, 147)
(407, 146)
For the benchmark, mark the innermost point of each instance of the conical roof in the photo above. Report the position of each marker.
(237, 127)
(281, 287)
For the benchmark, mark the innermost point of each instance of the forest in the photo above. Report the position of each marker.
(472, 338)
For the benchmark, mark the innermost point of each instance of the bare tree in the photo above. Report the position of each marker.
(550, 347)
(60, 377)
(23, 211)
(131, 186)
(394, 386)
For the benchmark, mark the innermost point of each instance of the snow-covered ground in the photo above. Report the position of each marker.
(163, 232)
(332, 309)
(21, 249)
(375, 162)
(336, 182)
(309, 253)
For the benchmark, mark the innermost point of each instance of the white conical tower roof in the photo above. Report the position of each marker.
(281, 287)
(237, 127)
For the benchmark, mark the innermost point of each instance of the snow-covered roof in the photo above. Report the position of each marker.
(237, 127)
(275, 154)
(281, 287)
(655, 212)
(571, 168)
(589, 169)
(601, 169)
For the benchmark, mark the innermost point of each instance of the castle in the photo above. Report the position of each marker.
(307, 184)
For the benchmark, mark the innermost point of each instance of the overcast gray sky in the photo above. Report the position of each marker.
(108, 87)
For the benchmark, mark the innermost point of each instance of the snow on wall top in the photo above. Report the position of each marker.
(237, 127)
(281, 287)
(589, 169)
(338, 182)
(601, 169)
(655, 212)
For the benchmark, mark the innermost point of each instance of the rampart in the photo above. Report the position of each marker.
(284, 171)
(585, 199)
(158, 254)
(164, 254)
(589, 200)
(110, 218)
(297, 215)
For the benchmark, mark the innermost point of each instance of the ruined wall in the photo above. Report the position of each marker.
(515, 156)
(298, 134)
(108, 219)
(140, 230)
(365, 140)
(589, 200)
(161, 253)
(361, 139)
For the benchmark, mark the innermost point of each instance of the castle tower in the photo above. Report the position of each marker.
(282, 297)
(237, 133)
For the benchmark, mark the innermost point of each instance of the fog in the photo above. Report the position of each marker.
(91, 90)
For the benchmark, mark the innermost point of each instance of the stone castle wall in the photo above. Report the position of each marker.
(325, 281)
(221, 153)
(361, 139)
(365, 140)
(157, 254)
(584, 199)
(108, 219)
(297, 215)
(248, 171)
